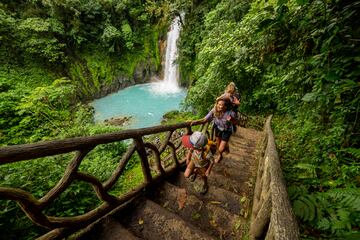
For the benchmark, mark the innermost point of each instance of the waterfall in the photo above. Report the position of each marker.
(171, 74)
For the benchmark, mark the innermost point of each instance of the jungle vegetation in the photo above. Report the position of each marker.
(296, 59)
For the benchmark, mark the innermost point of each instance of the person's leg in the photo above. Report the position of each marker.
(193, 174)
(205, 186)
(221, 150)
(225, 136)
(218, 140)
(227, 148)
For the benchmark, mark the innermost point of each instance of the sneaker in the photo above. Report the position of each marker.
(192, 177)
(218, 158)
(204, 189)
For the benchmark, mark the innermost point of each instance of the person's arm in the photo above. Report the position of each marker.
(209, 116)
(235, 100)
(231, 117)
(188, 157)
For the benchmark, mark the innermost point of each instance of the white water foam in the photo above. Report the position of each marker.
(170, 84)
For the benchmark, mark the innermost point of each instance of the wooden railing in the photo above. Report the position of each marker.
(272, 216)
(60, 227)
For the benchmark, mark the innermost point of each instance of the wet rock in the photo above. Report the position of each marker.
(118, 121)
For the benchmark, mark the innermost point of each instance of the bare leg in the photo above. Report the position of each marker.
(221, 150)
(218, 141)
(227, 148)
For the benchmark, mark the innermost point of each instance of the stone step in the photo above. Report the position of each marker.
(221, 181)
(222, 197)
(241, 150)
(106, 229)
(113, 230)
(232, 169)
(248, 133)
(150, 221)
(204, 214)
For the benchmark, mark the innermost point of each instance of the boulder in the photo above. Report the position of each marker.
(118, 121)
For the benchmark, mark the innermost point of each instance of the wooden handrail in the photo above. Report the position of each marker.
(48, 148)
(272, 216)
(62, 226)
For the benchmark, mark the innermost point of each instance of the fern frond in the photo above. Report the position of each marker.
(334, 210)
(353, 151)
(347, 197)
(324, 224)
(296, 191)
(305, 207)
(309, 169)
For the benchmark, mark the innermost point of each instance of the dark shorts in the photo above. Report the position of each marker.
(224, 135)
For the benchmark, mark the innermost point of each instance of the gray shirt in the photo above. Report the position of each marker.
(221, 122)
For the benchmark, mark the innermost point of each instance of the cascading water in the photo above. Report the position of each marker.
(171, 75)
(146, 103)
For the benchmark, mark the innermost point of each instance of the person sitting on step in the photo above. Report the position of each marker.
(199, 159)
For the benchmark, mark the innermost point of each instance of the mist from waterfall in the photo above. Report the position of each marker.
(171, 74)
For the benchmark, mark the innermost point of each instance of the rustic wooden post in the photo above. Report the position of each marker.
(140, 148)
(66, 179)
(120, 168)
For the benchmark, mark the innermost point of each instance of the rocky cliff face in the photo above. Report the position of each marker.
(91, 87)
(143, 73)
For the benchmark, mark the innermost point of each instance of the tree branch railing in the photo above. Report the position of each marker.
(60, 227)
(272, 216)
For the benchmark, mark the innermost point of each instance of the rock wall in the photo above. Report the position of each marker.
(143, 73)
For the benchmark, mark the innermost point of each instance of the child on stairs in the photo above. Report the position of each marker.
(199, 159)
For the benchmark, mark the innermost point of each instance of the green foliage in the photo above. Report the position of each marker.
(173, 117)
(190, 37)
(16, 82)
(110, 37)
(54, 30)
(43, 111)
(37, 36)
(333, 212)
(127, 35)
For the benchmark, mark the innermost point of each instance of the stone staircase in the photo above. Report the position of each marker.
(174, 209)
